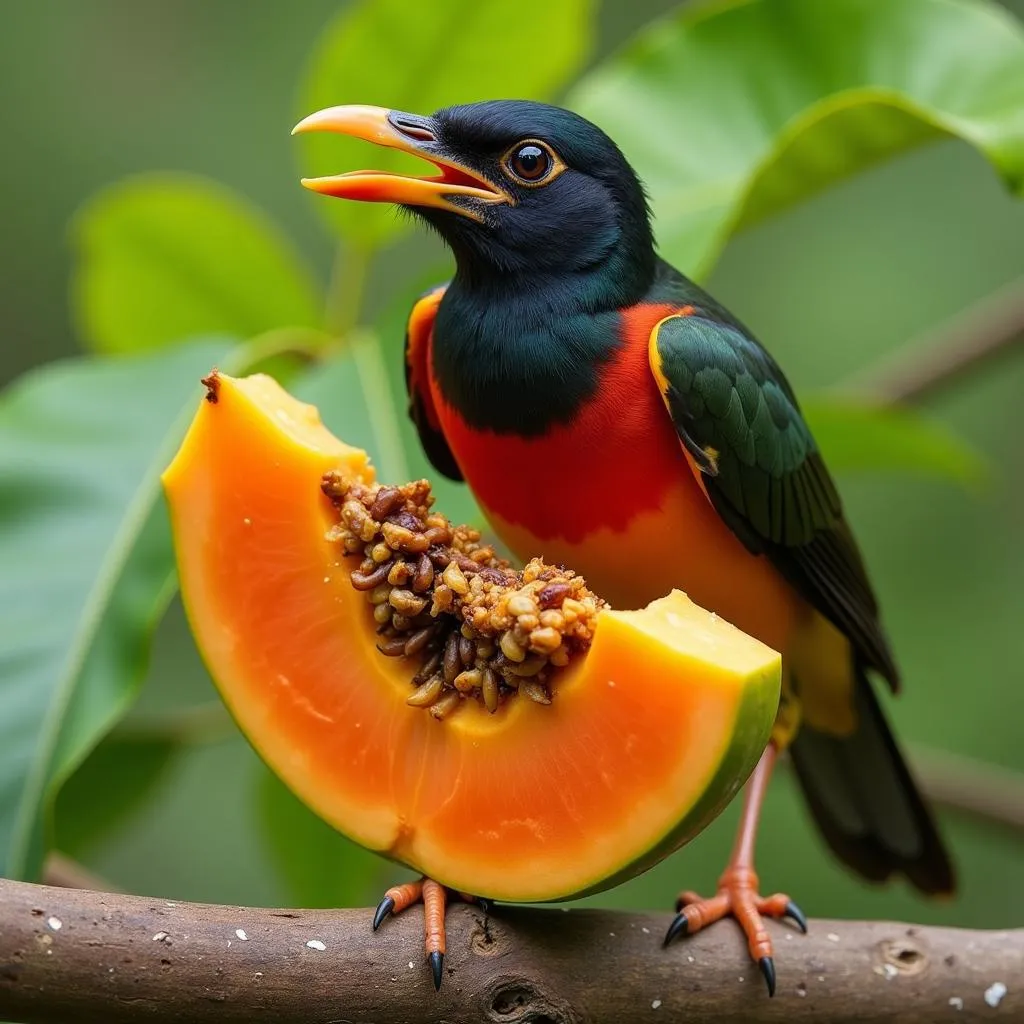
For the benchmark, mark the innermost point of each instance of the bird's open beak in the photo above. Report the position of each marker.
(408, 133)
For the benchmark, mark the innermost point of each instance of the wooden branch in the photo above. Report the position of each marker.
(98, 957)
(991, 328)
(984, 791)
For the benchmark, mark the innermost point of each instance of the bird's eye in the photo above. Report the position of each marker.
(531, 162)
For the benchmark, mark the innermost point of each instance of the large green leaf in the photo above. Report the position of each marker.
(730, 111)
(87, 562)
(119, 777)
(163, 257)
(420, 57)
(856, 435)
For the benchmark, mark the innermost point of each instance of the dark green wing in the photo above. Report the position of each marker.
(740, 423)
(418, 331)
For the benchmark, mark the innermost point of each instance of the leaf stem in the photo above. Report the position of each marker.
(342, 313)
(304, 343)
(380, 403)
(345, 291)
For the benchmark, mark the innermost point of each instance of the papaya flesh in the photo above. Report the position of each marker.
(649, 732)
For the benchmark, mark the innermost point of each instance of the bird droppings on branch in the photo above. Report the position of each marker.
(994, 994)
(105, 965)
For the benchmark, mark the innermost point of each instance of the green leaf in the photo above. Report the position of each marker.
(420, 57)
(163, 257)
(732, 111)
(87, 562)
(859, 435)
(320, 866)
(117, 778)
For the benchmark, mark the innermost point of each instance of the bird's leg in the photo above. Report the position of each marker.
(738, 894)
(434, 898)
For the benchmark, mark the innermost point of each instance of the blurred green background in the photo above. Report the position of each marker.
(97, 90)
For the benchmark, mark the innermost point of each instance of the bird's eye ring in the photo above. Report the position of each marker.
(532, 163)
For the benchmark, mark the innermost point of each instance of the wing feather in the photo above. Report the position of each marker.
(766, 477)
(417, 383)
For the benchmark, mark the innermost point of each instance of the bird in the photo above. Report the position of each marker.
(606, 410)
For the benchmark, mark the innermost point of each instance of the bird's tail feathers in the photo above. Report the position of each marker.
(867, 804)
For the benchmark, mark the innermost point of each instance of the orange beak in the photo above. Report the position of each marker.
(406, 133)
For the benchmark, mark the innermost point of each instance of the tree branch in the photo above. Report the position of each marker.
(990, 328)
(984, 791)
(99, 957)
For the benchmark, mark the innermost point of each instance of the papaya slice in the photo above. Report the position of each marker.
(627, 752)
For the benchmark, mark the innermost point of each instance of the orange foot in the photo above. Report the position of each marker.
(434, 896)
(738, 896)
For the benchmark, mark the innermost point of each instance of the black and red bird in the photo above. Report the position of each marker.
(597, 402)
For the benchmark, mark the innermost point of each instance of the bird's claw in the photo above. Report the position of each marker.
(677, 927)
(794, 913)
(434, 898)
(738, 897)
(384, 908)
(436, 964)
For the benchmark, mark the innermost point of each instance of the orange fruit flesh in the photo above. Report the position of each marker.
(648, 736)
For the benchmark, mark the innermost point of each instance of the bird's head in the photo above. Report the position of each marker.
(522, 188)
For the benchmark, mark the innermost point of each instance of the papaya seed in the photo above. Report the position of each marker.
(406, 602)
(424, 574)
(489, 690)
(469, 680)
(446, 704)
(400, 574)
(535, 692)
(418, 641)
(387, 500)
(479, 629)
(454, 577)
(368, 581)
(451, 661)
(521, 604)
(510, 648)
(427, 693)
(559, 657)
(545, 640)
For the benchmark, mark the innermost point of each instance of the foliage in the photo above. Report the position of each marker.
(426, 57)
(731, 112)
(808, 96)
(162, 257)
